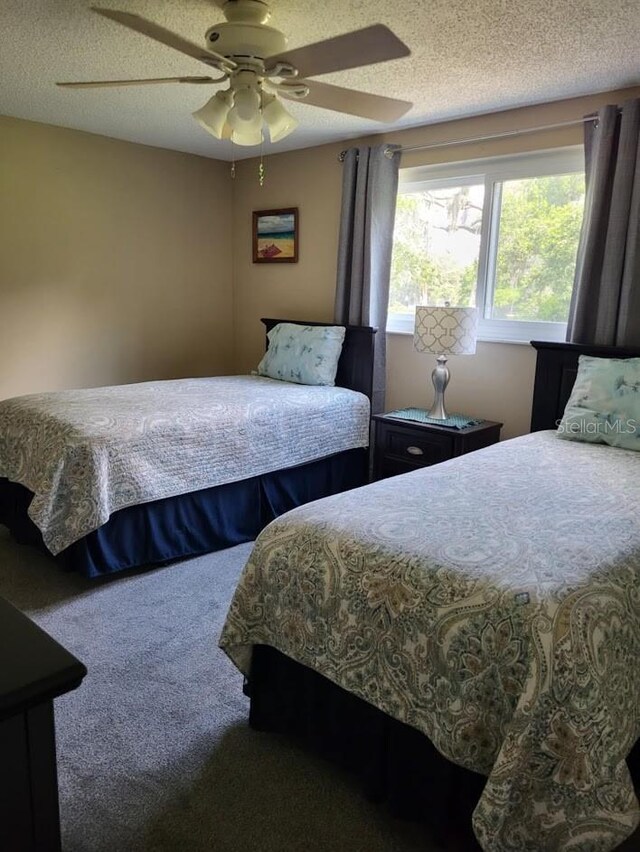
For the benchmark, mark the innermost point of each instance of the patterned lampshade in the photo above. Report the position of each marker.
(445, 330)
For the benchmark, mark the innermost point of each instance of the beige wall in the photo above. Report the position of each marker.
(497, 382)
(122, 263)
(115, 261)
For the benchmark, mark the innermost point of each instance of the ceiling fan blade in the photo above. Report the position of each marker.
(350, 101)
(362, 47)
(164, 36)
(103, 84)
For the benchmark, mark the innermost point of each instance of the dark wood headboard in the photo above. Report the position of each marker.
(355, 367)
(556, 370)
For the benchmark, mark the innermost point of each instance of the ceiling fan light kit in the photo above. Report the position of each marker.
(252, 57)
(240, 117)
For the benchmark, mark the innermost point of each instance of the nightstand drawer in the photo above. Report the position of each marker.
(418, 449)
(404, 445)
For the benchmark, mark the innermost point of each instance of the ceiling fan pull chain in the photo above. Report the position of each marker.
(261, 172)
(233, 161)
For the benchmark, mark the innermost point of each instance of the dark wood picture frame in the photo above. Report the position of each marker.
(259, 255)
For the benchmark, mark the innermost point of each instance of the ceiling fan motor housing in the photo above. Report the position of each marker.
(239, 40)
(247, 11)
(246, 34)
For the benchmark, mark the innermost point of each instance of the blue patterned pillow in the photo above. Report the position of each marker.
(604, 406)
(305, 354)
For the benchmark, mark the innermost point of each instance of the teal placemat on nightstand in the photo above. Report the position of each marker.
(454, 421)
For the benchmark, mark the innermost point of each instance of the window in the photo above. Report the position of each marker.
(500, 234)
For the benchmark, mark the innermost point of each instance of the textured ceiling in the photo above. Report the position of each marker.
(468, 56)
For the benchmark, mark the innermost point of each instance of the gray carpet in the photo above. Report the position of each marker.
(154, 748)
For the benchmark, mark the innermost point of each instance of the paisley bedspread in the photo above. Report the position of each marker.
(493, 603)
(87, 453)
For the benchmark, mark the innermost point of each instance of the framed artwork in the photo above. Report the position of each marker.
(275, 236)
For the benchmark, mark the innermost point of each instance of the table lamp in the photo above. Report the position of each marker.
(444, 330)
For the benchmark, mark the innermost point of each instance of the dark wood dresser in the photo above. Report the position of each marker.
(403, 445)
(34, 669)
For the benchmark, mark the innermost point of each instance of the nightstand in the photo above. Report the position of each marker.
(34, 669)
(404, 445)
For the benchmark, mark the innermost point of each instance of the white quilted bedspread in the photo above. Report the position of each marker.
(87, 453)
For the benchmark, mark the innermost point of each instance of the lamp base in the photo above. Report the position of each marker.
(440, 379)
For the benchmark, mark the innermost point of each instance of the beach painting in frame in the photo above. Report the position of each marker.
(275, 236)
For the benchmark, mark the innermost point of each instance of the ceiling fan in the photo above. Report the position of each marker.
(252, 58)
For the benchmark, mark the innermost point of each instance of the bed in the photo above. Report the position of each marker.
(113, 478)
(486, 611)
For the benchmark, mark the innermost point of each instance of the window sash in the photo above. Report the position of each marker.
(493, 173)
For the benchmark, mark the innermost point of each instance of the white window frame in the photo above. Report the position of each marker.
(491, 172)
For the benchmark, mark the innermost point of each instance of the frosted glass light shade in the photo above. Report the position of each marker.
(246, 104)
(280, 122)
(247, 132)
(445, 330)
(235, 120)
(213, 115)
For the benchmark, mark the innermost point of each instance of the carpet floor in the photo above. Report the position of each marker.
(154, 750)
(155, 753)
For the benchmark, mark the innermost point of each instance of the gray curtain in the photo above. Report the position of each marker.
(369, 190)
(605, 307)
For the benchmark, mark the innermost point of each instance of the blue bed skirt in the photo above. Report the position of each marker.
(190, 524)
(395, 763)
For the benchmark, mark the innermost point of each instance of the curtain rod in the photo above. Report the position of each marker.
(485, 138)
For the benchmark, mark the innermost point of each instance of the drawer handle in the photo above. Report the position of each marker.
(415, 451)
